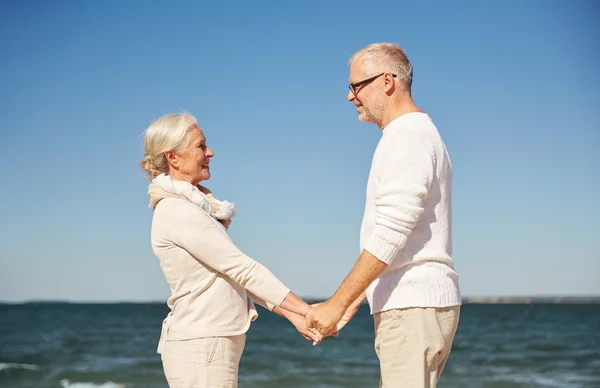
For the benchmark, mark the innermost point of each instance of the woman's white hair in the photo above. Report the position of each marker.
(169, 132)
(380, 57)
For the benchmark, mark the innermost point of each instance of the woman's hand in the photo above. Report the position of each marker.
(300, 323)
(348, 315)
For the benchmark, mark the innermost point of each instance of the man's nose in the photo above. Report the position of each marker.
(209, 152)
(350, 96)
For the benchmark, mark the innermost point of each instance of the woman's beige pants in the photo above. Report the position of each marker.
(204, 362)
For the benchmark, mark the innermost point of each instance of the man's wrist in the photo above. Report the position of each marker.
(356, 304)
(339, 304)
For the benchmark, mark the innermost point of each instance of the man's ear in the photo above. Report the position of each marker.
(171, 158)
(389, 85)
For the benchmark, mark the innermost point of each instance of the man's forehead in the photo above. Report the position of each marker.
(356, 68)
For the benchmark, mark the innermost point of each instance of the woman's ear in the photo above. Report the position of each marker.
(171, 158)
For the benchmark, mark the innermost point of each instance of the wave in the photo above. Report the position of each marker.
(18, 366)
(562, 380)
(109, 384)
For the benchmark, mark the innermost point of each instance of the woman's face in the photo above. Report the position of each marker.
(192, 164)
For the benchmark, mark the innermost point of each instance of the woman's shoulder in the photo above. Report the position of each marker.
(175, 206)
(179, 211)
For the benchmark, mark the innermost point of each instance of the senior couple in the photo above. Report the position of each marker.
(405, 268)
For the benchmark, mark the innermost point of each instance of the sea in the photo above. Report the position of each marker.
(70, 345)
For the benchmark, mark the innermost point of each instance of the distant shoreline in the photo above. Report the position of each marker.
(466, 300)
(533, 300)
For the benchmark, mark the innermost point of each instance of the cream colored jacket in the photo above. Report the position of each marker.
(211, 280)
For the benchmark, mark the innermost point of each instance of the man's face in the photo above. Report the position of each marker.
(367, 97)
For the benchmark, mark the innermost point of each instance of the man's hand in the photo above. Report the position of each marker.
(352, 291)
(324, 317)
(299, 323)
(348, 315)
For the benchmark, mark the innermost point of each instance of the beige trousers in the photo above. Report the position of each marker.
(204, 362)
(413, 345)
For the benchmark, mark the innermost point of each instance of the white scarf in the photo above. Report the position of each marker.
(163, 186)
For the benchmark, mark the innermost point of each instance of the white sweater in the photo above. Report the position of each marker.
(211, 280)
(407, 221)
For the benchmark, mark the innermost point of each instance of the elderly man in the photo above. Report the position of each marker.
(405, 268)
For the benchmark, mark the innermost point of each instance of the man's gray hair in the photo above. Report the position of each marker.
(380, 57)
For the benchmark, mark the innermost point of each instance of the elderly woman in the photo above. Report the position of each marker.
(212, 282)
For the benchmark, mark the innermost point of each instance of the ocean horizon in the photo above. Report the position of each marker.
(510, 299)
(113, 345)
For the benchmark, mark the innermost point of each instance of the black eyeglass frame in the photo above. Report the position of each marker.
(354, 85)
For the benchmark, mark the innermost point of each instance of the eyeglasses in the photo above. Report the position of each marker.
(355, 85)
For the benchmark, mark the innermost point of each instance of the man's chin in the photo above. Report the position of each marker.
(365, 118)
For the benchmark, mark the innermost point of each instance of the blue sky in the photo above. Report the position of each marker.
(513, 87)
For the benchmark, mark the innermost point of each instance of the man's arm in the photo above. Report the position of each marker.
(365, 271)
(356, 304)
(350, 313)
(407, 170)
(350, 293)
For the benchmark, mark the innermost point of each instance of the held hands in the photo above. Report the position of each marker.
(310, 333)
(299, 323)
(348, 315)
(328, 318)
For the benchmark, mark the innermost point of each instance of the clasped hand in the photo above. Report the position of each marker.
(326, 319)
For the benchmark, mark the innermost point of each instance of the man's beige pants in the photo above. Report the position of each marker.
(204, 362)
(413, 345)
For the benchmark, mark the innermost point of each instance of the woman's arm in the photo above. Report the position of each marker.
(298, 320)
(201, 236)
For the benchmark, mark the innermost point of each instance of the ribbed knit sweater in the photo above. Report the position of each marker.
(407, 220)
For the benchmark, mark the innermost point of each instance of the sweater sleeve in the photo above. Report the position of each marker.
(261, 302)
(406, 170)
(199, 234)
